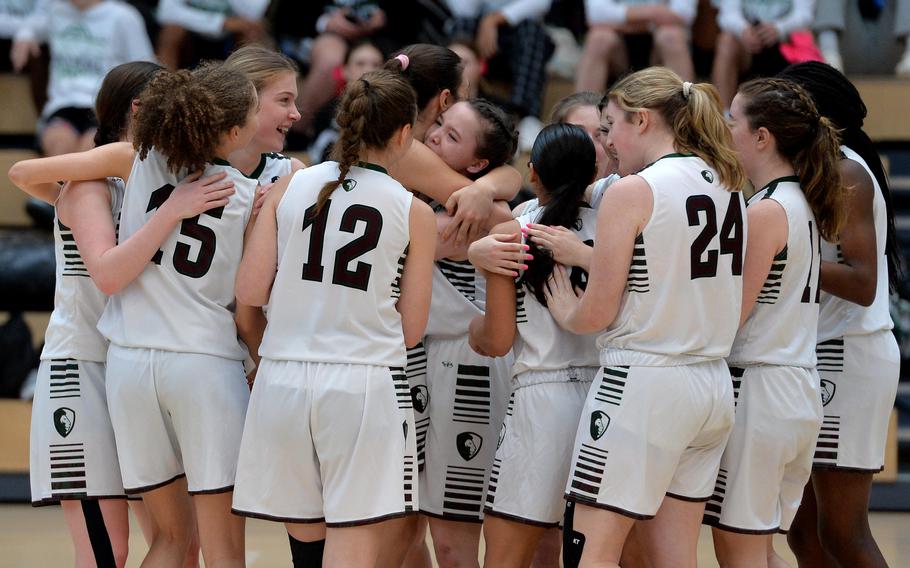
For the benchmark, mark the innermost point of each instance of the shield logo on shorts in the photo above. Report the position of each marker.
(64, 420)
(828, 389)
(599, 424)
(468, 444)
(709, 177)
(349, 184)
(502, 435)
(420, 396)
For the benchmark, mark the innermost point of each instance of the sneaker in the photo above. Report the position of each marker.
(903, 66)
(528, 129)
(833, 58)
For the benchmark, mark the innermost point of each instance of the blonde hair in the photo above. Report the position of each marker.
(260, 64)
(691, 111)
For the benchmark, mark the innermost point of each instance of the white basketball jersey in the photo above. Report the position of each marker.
(684, 289)
(782, 328)
(72, 330)
(542, 345)
(338, 276)
(459, 295)
(184, 299)
(839, 317)
(600, 187)
(271, 167)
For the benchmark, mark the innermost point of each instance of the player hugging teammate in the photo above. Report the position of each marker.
(639, 340)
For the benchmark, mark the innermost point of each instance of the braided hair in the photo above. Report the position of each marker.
(837, 98)
(564, 159)
(498, 140)
(808, 140)
(372, 108)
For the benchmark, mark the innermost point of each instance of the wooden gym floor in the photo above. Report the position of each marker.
(37, 537)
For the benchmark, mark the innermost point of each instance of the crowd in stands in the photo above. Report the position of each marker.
(509, 46)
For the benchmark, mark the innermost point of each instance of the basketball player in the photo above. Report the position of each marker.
(553, 368)
(332, 381)
(72, 390)
(672, 258)
(858, 357)
(790, 153)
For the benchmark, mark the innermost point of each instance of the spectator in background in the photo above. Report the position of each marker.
(207, 29)
(343, 23)
(363, 57)
(510, 34)
(613, 27)
(87, 39)
(13, 15)
(750, 38)
(473, 68)
(830, 22)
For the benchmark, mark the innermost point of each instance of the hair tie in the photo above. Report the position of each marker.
(404, 59)
(687, 87)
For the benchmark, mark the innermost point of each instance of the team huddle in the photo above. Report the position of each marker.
(586, 378)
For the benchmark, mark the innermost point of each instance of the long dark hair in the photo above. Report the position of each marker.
(431, 69)
(837, 98)
(564, 159)
(113, 105)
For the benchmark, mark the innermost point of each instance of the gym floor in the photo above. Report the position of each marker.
(37, 537)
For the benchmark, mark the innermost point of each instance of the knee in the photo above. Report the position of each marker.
(801, 539)
(328, 52)
(728, 47)
(838, 538)
(601, 40)
(670, 39)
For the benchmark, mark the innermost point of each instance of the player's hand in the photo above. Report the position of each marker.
(564, 245)
(261, 193)
(499, 254)
(470, 206)
(21, 52)
(488, 36)
(195, 195)
(562, 299)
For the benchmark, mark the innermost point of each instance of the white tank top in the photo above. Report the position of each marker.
(271, 166)
(541, 345)
(184, 299)
(781, 330)
(72, 330)
(683, 294)
(839, 317)
(337, 284)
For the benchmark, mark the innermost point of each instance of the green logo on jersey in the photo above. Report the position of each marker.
(349, 184)
(468, 444)
(64, 420)
(420, 396)
(709, 177)
(828, 389)
(599, 424)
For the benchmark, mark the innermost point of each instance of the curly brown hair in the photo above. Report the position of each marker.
(372, 108)
(184, 114)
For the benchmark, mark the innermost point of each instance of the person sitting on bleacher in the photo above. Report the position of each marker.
(209, 28)
(510, 34)
(831, 21)
(616, 28)
(87, 39)
(13, 14)
(750, 38)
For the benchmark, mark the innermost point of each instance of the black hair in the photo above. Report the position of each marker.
(498, 140)
(564, 160)
(431, 69)
(837, 98)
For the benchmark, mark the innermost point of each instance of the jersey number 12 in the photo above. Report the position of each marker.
(359, 277)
